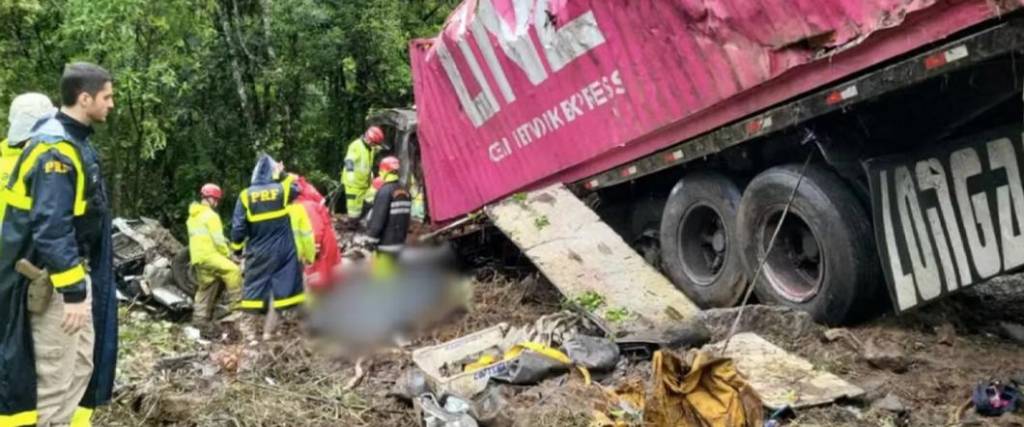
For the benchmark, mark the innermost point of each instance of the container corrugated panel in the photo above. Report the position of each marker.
(514, 94)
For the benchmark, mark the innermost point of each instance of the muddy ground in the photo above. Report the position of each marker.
(943, 350)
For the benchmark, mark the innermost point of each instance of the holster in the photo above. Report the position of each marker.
(40, 288)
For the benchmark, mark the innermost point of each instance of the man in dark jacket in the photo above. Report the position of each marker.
(388, 224)
(58, 360)
(262, 225)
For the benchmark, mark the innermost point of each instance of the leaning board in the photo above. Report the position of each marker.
(578, 253)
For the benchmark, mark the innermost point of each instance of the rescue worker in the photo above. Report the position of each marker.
(208, 252)
(388, 224)
(265, 226)
(357, 174)
(59, 358)
(26, 110)
(371, 194)
(319, 275)
(419, 205)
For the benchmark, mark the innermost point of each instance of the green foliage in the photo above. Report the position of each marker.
(618, 314)
(541, 222)
(589, 301)
(202, 86)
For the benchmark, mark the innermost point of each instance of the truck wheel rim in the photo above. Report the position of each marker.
(702, 244)
(794, 268)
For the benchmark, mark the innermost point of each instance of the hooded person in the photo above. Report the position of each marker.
(26, 110)
(264, 226)
(319, 275)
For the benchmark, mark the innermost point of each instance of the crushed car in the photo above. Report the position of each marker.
(151, 268)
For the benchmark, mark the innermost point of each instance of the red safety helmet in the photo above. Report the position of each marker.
(211, 190)
(389, 164)
(374, 135)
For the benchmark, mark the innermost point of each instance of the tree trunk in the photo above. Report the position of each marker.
(236, 71)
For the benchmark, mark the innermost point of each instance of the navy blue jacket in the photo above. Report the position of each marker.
(260, 224)
(58, 217)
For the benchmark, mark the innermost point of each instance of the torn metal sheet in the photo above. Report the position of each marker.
(579, 253)
(783, 379)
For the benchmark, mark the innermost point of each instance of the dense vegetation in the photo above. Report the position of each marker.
(204, 85)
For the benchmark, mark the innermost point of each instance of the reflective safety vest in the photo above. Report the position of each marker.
(302, 229)
(16, 192)
(8, 158)
(205, 234)
(263, 220)
(357, 174)
(249, 198)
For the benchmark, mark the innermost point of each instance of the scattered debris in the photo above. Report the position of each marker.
(700, 390)
(946, 334)
(889, 403)
(874, 388)
(357, 377)
(143, 256)
(450, 412)
(531, 364)
(783, 379)
(594, 353)
(885, 356)
(1013, 331)
(161, 369)
(995, 399)
(436, 362)
(411, 384)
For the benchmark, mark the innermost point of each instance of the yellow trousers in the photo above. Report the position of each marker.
(210, 274)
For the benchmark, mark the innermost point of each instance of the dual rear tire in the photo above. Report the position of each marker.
(823, 261)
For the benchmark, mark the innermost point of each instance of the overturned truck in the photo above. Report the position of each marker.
(889, 131)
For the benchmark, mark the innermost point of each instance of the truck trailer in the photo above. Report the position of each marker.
(887, 131)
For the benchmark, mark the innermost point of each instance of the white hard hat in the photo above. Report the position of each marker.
(26, 110)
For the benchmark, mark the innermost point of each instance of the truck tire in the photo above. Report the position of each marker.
(824, 260)
(699, 247)
(181, 271)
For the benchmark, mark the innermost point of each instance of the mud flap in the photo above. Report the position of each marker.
(582, 255)
(950, 215)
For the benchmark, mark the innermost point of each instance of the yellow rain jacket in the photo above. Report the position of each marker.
(205, 234)
(8, 158)
(302, 229)
(357, 175)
